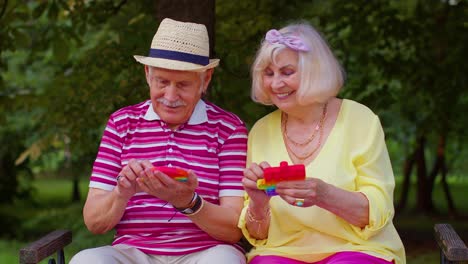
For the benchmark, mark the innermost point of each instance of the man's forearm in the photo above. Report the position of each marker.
(103, 210)
(219, 222)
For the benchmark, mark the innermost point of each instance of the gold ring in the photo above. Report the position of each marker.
(299, 202)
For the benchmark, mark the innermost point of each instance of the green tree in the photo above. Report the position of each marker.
(402, 59)
(66, 65)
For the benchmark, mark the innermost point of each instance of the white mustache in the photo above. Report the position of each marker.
(168, 103)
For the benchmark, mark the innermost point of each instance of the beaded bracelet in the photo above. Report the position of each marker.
(252, 219)
(257, 221)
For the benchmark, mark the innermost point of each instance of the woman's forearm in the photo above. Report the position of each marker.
(258, 222)
(353, 207)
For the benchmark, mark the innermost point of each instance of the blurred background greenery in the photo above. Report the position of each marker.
(66, 65)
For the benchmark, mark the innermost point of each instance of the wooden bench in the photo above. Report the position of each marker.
(452, 248)
(46, 246)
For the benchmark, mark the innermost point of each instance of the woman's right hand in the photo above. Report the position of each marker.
(258, 198)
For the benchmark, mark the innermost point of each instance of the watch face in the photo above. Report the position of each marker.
(188, 211)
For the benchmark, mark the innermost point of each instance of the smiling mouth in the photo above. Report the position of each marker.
(283, 95)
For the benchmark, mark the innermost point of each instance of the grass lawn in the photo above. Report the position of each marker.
(52, 209)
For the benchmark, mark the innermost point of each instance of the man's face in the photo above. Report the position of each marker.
(174, 94)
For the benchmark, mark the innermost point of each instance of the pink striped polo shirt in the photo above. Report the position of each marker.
(213, 143)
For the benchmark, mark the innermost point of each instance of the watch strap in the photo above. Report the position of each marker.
(195, 208)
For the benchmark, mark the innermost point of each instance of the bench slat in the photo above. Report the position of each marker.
(450, 243)
(44, 247)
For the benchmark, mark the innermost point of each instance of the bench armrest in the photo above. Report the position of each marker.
(451, 246)
(45, 246)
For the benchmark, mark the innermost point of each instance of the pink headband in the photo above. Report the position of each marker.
(293, 42)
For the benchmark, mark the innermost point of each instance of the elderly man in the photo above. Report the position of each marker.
(157, 218)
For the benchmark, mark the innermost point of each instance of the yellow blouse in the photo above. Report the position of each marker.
(354, 157)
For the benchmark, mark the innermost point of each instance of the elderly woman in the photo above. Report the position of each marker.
(342, 212)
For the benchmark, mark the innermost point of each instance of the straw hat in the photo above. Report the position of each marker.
(180, 46)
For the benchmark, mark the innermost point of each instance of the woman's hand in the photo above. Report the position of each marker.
(258, 198)
(308, 192)
(258, 214)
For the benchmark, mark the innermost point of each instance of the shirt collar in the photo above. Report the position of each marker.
(198, 116)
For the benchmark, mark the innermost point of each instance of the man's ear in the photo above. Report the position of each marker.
(147, 74)
(208, 75)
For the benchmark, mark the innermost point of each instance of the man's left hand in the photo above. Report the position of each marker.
(158, 184)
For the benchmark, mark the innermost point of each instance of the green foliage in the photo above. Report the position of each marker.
(66, 65)
(237, 39)
(76, 69)
(402, 59)
(14, 180)
(406, 60)
(99, 76)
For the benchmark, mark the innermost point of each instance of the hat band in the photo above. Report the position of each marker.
(179, 56)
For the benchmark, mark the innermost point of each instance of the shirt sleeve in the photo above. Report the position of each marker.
(375, 180)
(232, 159)
(242, 222)
(107, 164)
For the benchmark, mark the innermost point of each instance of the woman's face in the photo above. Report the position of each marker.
(281, 79)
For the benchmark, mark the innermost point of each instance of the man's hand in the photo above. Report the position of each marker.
(127, 185)
(158, 184)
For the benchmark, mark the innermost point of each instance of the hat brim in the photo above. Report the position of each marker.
(174, 64)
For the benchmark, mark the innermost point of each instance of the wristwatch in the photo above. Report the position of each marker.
(194, 206)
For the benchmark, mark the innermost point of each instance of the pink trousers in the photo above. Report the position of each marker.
(347, 257)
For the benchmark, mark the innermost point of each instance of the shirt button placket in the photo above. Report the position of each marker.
(170, 149)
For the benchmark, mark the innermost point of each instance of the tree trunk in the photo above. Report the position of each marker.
(441, 166)
(439, 162)
(407, 171)
(424, 199)
(76, 197)
(199, 11)
(450, 204)
(8, 177)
